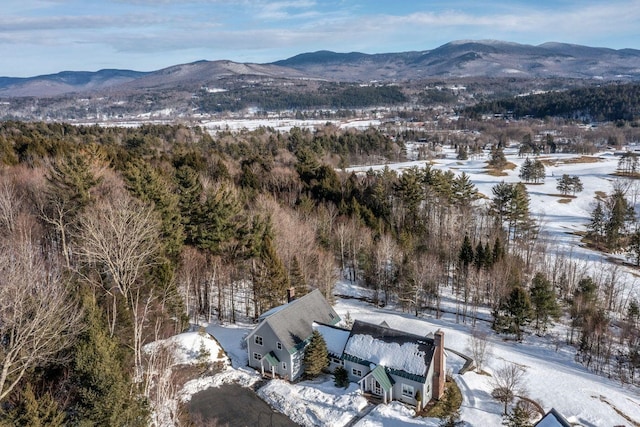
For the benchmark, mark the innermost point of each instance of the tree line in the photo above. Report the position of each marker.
(611, 102)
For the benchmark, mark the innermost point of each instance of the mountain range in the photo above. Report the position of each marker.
(452, 60)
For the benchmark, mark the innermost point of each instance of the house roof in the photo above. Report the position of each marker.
(398, 351)
(380, 374)
(553, 418)
(292, 324)
(335, 338)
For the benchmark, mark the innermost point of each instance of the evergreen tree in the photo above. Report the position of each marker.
(621, 213)
(218, 220)
(497, 160)
(597, 226)
(463, 153)
(464, 191)
(189, 200)
(35, 411)
(271, 281)
(526, 170)
(513, 313)
(340, 377)
(148, 185)
(480, 256)
(296, 278)
(544, 301)
(498, 250)
(538, 171)
(465, 256)
(316, 357)
(519, 417)
(451, 412)
(103, 389)
(576, 185)
(564, 184)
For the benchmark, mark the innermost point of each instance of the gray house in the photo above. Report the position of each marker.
(277, 344)
(395, 365)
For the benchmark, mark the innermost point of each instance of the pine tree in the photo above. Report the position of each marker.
(189, 200)
(340, 377)
(519, 417)
(538, 172)
(543, 301)
(564, 184)
(271, 281)
(597, 226)
(497, 159)
(514, 313)
(621, 213)
(102, 387)
(452, 414)
(464, 191)
(150, 186)
(462, 152)
(526, 170)
(296, 278)
(465, 256)
(35, 411)
(480, 256)
(316, 357)
(498, 250)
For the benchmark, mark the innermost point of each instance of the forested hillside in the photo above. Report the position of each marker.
(599, 103)
(115, 237)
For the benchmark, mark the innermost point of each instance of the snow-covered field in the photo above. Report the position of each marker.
(553, 378)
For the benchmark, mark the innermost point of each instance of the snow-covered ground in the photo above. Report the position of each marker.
(559, 217)
(553, 378)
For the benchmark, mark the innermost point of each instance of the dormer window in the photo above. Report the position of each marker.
(258, 340)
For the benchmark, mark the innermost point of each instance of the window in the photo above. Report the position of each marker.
(284, 366)
(258, 340)
(279, 345)
(336, 361)
(356, 372)
(407, 390)
(257, 356)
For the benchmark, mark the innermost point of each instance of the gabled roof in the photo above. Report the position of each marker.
(553, 418)
(381, 376)
(401, 353)
(292, 324)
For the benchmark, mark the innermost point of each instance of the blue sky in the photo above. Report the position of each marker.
(48, 36)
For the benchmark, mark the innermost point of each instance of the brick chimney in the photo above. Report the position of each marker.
(291, 294)
(439, 372)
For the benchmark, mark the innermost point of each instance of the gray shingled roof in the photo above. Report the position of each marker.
(293, 323)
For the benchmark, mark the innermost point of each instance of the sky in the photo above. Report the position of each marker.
(48, 36)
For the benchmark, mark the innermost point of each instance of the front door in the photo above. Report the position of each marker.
(377, 390)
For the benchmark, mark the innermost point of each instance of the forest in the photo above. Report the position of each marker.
(115, 237)
(611, 102)
(275, 98)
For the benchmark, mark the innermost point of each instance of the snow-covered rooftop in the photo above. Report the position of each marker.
(392, 349)
(335, 338)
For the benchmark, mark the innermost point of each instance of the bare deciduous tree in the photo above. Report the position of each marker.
(479, 347)
(119, 240)
(10, 203)
(37, 318)
(508, 382)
